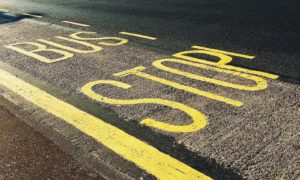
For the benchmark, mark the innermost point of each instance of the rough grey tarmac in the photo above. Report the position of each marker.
(258, 140)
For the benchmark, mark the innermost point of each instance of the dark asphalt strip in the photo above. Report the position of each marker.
(27, 154)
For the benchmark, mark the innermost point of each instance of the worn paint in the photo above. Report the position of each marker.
(139, 35)
(76, 23)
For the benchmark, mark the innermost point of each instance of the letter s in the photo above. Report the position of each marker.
(199, 120)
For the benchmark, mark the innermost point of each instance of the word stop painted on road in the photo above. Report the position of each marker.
(199, 120)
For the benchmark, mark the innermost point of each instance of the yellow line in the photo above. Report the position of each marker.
(32, 15)
(4, 10)
(143, 155)
(138, 72)
(138, 35)
(224, 52)
(75, 23)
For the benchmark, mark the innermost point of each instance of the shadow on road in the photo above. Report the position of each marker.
(10, 18)
(7, 18)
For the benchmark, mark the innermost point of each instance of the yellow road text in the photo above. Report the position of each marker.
(143, 155)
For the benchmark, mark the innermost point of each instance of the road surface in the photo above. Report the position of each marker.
(26, 154)
(160, 89)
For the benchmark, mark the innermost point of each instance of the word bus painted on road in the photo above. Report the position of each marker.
(94, 43)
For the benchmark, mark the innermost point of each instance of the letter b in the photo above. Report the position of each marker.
(40, 48)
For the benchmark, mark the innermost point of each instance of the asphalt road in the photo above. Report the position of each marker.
(247, 117)
(268, 28)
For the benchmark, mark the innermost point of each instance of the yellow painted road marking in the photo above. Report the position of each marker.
(224, 52)
(32, 15)
(93, 48)
(199, 120)
(75, 23)
(143, 155)
(138, 72)
(121, 41)
(40, 48)
(4, 10)
(223, 63)
(138, 35)
(260, 82)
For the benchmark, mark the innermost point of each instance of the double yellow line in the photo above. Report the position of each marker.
(143, 155)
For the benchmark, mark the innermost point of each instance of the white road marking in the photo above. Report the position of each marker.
(32, 15)
(75, 23)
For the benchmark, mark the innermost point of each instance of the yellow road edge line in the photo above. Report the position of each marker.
(32, 15)
(143, 155)
(224, 52)
(4, 10)
(138, 35)
(75, 23)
